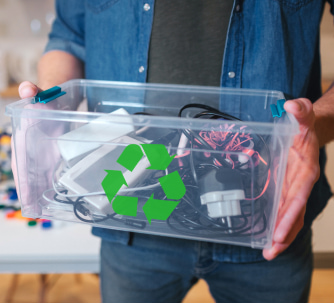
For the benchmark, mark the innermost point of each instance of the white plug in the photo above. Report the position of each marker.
(221, 191)
(223, 203)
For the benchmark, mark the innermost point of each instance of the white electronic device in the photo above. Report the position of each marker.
(86, 176)
(223, 203)
(90, 136)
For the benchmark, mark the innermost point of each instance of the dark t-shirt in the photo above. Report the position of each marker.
(188, 41)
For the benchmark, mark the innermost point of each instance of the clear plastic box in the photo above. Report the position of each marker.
(129, 162)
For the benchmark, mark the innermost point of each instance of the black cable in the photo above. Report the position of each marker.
(194, 225)
(208, 108)
(214, 114)
(190, 217)
(142, 113)
(80, 208)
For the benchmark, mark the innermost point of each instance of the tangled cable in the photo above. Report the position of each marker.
(198, 152)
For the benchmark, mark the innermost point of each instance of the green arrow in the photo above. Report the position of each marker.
(158, 156)
(173, 185)
(158, 209)
(130, 156)
(125, 205)
(112, 183)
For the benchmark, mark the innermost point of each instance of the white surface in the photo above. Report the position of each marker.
(68, 248)
(3, 103)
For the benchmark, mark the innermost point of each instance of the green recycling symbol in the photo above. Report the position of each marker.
(171, 183)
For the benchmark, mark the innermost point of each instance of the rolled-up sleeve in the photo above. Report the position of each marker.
(67, 33)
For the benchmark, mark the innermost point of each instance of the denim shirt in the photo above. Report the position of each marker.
(271, 44)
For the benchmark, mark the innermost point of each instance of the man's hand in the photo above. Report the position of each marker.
(54, 68)
(28, 89)
(301, 174)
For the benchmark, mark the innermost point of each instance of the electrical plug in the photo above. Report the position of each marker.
(221, 191)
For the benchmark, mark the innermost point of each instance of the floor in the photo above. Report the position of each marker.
(73, 288)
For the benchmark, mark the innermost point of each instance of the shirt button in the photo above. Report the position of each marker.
(146, 7)
(141, 69)
(231, 74)
(238, 8)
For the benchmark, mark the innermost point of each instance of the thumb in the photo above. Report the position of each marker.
(302, 109)
(28, 89)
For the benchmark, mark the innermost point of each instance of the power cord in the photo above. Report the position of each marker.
(240, 151)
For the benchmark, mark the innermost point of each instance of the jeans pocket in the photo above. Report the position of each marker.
(112, 236)
(97, 6)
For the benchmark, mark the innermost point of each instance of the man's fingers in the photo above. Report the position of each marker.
(302, 109)
(302, 172)
(295, 202)
(274, 251)
(278, 247)
(28, 89)
(290, 221)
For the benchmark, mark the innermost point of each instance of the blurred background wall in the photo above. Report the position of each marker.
(24, 25)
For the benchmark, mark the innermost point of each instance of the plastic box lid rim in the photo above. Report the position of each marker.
(16, 109)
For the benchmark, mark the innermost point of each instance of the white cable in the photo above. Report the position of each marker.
(46, 198)
(182, 144)
(100, 192)
(53, 201)
(141, 130)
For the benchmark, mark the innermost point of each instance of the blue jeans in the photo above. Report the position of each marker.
(158, 269)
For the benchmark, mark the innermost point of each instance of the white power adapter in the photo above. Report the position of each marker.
(86, 176)
(91, 135)
(221, 191)
(223, 203)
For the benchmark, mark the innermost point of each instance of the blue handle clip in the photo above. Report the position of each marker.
(278, 110)
(48, 95)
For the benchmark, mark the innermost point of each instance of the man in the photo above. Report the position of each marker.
(270, 44)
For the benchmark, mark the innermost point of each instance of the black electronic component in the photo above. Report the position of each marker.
(228, 181)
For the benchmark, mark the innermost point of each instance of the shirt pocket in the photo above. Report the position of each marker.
(294, 5)
(97, 6)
